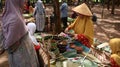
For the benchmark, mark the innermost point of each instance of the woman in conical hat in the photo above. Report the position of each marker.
(83, 23)
(115, 47)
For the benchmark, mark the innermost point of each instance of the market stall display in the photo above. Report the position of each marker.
(56, 48)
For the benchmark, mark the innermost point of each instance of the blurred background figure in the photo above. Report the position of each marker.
(64, 13)
(31, 10)
(52, 22)
(76, 3)
(0, 5)
(74, 14)
(26, 7)
(39, 15)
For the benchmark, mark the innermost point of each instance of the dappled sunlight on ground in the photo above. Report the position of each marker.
(108, 26)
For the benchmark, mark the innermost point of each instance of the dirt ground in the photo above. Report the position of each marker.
(104, 29)
(108, 26)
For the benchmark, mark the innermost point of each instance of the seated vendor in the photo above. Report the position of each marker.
(115, 47)
(83, 25)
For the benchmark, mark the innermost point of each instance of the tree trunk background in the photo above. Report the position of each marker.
(57, 16)
(113, 6)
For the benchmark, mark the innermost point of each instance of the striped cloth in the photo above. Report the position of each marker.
(44, 55)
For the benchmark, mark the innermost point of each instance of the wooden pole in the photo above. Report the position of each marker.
(57, 16)
(113, 7)
(102, 15)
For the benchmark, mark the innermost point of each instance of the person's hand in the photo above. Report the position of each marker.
(66, 30)
(75, 36)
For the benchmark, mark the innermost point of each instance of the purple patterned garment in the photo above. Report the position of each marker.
(13, 24)
(21, 52)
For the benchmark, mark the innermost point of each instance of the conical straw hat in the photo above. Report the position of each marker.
(82, 9)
